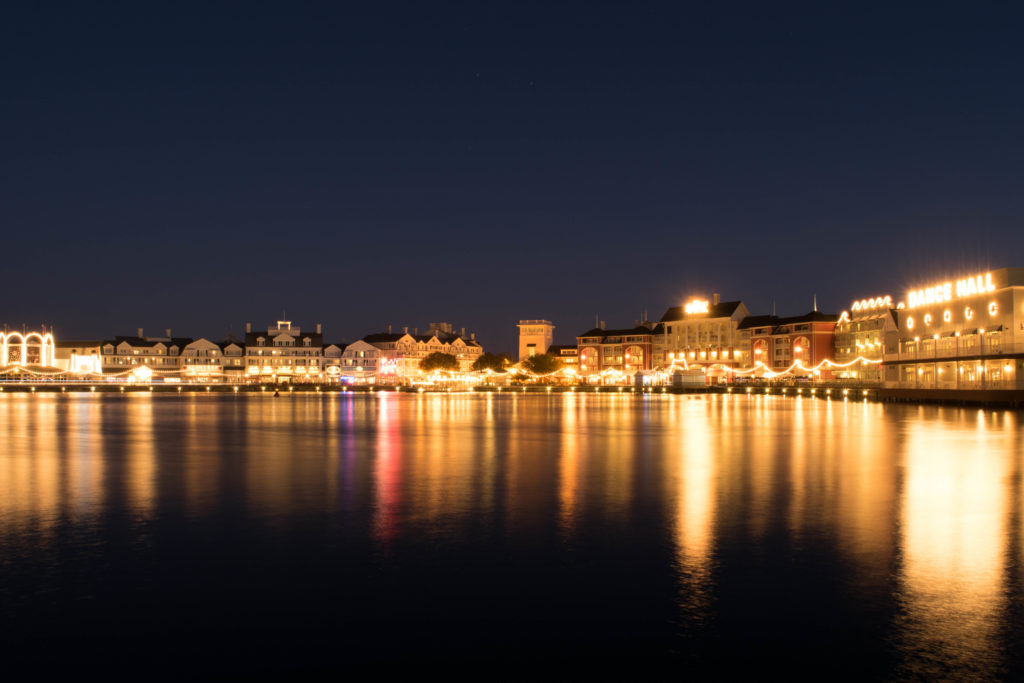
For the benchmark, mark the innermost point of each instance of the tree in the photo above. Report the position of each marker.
(490, 361)
(542, 364)
(439, 361)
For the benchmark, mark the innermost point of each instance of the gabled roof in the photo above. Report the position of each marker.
(723, 309)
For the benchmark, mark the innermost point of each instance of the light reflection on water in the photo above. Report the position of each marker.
(660, 525)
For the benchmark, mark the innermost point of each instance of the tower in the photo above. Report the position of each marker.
(535, 336)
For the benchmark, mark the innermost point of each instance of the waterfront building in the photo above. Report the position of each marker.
(535, 337)
(332, 356)
(283, 353)
(202, 361)
(569, 354)
(160, 355)
(359, 362)
(615, 356)
(401, 353)
(232, 358)
(798, 342)
(860, 333)
(960, 333)
(79, 357)
(27, 348)
(702, 334)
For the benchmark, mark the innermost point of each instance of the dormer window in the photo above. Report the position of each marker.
(260, 341)
(305, 342)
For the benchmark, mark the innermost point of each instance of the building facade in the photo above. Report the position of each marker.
(798, 344)
(964, 333)
(705, 335)
(615, 356)
(535, 337)
(284, 353)
(860, 334)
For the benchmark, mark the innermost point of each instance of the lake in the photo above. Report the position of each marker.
(721, 534)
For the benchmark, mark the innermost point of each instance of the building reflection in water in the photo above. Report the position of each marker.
(906, 515)
(694, 467)
(953, 543)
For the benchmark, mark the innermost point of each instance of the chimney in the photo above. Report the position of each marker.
(388, 328)
(405, 330)
(415, 331)
(602, 324)
(139, 332)
(248, 328)
(463, 332)
(319, 328)
(714, 299)
(472, 335)
(636, 323)
(168, 331)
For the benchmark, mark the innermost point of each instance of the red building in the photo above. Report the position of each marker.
(614, 356)
(778, 343)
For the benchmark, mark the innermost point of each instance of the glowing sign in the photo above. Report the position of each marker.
(696, 306)
(947, 291)
(877, 302)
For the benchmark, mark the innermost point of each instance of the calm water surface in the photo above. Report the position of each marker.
(725, 534)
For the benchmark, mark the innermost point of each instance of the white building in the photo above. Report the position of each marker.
(284, 354)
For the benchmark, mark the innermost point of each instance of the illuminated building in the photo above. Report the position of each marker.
(161, 354)
(860, 333)
(802, 341)
(401, 353)
(232, 358)
(359, 362)
(79, 357)
(615, 355)
(568, 354)
(283, 353)
(202, 360)
(535, 336)
(27, 348)
(702, 334)
(961, 333)
(332, 361)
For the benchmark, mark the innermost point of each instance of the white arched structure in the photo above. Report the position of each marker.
(19, 345)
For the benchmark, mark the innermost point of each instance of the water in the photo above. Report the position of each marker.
(162, 534)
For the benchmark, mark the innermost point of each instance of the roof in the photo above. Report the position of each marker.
(723, 309)
(315, 339)
(557, 349)
(381, 337)
(143, 342)
(758, 321)
(811, 317)
(633, 331)
(70, 344)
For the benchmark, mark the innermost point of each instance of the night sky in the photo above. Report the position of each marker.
(358, 164)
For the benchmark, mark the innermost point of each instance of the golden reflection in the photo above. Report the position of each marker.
(696, 474)
(140, 479)
(954, 544)
(569, 465)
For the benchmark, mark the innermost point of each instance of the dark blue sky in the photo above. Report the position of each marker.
(360, 164)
